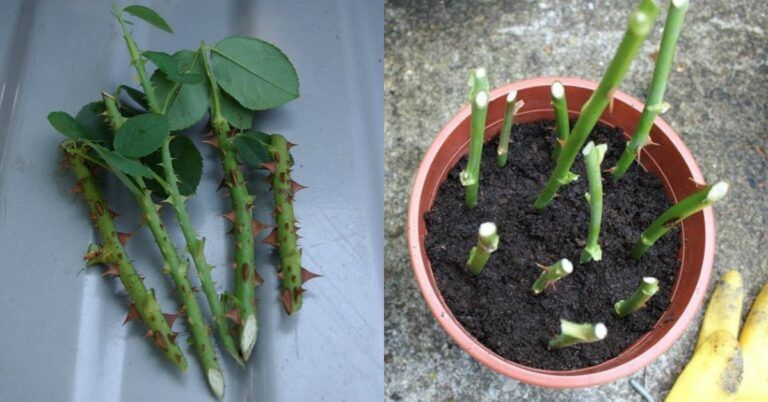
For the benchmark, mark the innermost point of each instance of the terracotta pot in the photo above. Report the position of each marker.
(671, 161)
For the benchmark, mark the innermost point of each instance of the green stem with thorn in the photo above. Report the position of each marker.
(246, 279)
(284, 188)
(655, 102)
(640, 23)
(573, 334)
(470, 177)
(137, 62)
(179, 273)
(692, 204)
(552, 274)
(111, 252)
(593, 156)
(648, 287)
(561, 117)
(487, 243)
(511, 108)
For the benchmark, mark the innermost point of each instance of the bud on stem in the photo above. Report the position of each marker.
(512, 107)
(552, 274)
(470, 177)
(593, 156)
(573, 334)
(676, 213)
(487, 243)
(640, 23)
(561, 117)
(655, 101)
(648, 287)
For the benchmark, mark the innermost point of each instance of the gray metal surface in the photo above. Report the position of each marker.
(60, 329)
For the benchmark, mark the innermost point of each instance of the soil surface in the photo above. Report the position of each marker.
(498, 306)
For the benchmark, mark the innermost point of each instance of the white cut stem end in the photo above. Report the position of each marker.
(650, 280)
(511, 96)
(567, 266)
(717, 192)
(601, 331)
(558, 91)
(481, 99)
(216, 381)
(248, 337)
(487, 229)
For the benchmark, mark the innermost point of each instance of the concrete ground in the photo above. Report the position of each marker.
(718, 96)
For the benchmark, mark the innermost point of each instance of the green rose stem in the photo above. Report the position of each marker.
(561, 117)
(179, 273)
(640, 23)
(573, 334)
(695, 202)
(487, 243)
(655, 102)
(194, 245)
(648, 287)
(593, 156)
(512, 107)
(246, 279)
(112, 254)
(291, 274)
(552, 274)
(470, 177)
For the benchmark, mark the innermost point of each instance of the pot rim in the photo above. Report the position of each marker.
(478, 351)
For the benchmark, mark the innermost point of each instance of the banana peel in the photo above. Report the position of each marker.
(727, 366)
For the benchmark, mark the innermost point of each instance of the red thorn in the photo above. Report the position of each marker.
(171, 318)
(269, 179)
(280, 275)
(214, 142)
(230, 216)
(257, 226)
(257, 279)
(279, 209)
(112, 270)
(271, 239)
(77, 188)
(91, 255)
(290, 144)
(296, 187)
(160, 341)
(269, 166)
(233, 315)
(123, 237)
(307, 275)
(173, 336)
(222, 184)
(150, 333)
(113, 214)
(610, 170)
(133, 313)
(287, 300)
(299, 292)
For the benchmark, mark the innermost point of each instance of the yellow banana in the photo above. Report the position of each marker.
(724, 308)
(714, 372)
(754, 346)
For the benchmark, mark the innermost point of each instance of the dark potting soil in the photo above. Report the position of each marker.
(497, 306)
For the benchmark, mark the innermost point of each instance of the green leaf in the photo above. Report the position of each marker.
(141, 135)
(67, 125)
(256, 73)
(184, 104)
(149, 15)
(123, 164)
(137, 96)
(167, 64)
(91, 120)
(253, 148)
(235, 113)
(187, 163)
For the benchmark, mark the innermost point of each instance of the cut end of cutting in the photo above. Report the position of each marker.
(481, 99)
(511, 96)
(558, 91)
(588, 148)
(680, 3)
(717, 192)
(649, 280)
(248, 336)
(567, 266)
(216, 381)
(601, 331)
(480, 72)
(487, 229)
